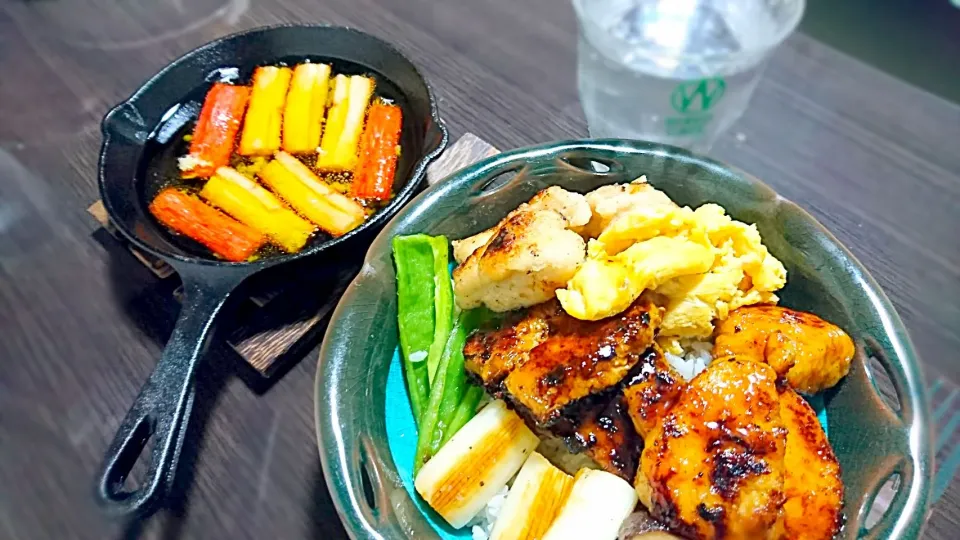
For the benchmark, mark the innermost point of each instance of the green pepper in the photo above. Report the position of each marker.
(442, 303)
(448, 388)
(417, 308)
(465, 411)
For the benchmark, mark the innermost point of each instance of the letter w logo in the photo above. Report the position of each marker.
(697, 96)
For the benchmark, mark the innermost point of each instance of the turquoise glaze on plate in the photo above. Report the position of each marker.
(364, 425)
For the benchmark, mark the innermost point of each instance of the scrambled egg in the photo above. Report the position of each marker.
(701, 263)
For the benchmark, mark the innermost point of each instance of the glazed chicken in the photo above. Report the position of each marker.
(526, 257)
(563, 375)
(811, 482)
(604, 433)
(713, 467)
(811, 353)
(651, 389)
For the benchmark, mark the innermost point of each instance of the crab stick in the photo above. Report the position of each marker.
(373, 178)
(220, 233)
(216, 130)
(251, 204)
(306, 103)
(341, 135)
(295, 183)
(262, 125)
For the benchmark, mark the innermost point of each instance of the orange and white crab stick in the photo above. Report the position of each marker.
(379, 148)
(216, 131)
(194, 219)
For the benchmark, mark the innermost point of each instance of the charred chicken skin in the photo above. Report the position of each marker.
(811, 353)
(811, 481)
(713, 467)
(563, 375)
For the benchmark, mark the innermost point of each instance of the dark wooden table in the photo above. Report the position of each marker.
(83, 323)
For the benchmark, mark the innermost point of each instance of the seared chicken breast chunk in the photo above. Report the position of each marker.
(526, 257)
(811, 353)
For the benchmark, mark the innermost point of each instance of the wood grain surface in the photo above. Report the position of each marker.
(82, 324)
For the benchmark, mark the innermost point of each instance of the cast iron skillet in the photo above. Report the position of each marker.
(139, 137)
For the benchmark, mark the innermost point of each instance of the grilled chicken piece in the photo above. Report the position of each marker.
(579, 359)
(563, 375)
(526, 257)
(652, 387)
(604, 433)
(713, 467)
(491, 355)
(811, 353)
(812, 482)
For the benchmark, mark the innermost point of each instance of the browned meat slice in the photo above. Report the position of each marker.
(651, 389)
(604, 433)
(492, 355)
(579, 359)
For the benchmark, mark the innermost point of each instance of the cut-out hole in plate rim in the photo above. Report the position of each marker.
(500, 180)
(879, 375)
(367, 486)
(876, 507)
(592, 165)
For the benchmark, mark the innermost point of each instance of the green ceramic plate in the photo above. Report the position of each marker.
(361, 416)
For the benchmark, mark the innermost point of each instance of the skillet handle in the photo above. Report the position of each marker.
(163, 406)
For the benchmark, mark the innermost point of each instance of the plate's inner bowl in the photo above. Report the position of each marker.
(158, 165)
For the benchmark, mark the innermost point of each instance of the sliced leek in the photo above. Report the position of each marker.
(534, 501)
(475, 464)
(598, 504)
(341, 135)
(249, 203)
(306, 103)
(293, 181)
(264, 119)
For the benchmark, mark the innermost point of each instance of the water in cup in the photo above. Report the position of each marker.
(674, 71)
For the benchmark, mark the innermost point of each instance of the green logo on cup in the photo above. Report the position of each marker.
(697, 96)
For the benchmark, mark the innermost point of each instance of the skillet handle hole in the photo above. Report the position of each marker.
(878, 372)
(877, 504)
(133, 463)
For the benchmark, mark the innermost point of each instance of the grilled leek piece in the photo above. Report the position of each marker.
(262, 125)
(295, 183)
(475, 464)
(306, 103)
(598, 504)
(341, 135)
(249, 203)
(534, 501)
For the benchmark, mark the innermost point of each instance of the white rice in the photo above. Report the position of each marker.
(482, 525)
(695, 357)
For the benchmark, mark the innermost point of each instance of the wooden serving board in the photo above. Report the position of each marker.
(275, 324)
